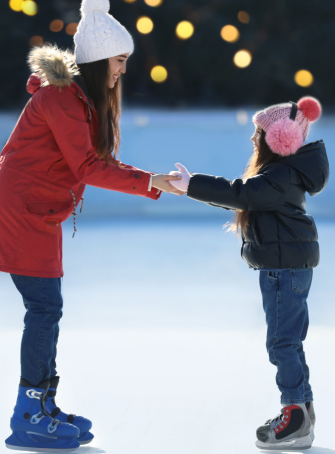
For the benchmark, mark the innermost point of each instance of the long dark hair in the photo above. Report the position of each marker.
(108, 104)
(261, 156)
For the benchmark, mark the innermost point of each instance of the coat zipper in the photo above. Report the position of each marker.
(74, 214)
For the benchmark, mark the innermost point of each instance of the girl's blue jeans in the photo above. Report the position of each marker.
(285, 295)
(43, 301)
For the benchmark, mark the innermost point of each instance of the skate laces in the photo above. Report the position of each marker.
(278, 421)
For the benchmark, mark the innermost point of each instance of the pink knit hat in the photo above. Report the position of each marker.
(287, 125)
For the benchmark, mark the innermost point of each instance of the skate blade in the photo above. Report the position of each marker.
(293, 445)
(21, 448)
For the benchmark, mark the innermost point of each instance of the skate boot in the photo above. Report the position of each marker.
(83, 424)
(289, 431)
(311, 413)
(33, 428)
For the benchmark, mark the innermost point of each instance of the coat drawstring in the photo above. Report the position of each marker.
(74, 214)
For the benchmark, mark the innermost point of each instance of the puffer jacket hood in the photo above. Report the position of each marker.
(311, 163)
(51, 66)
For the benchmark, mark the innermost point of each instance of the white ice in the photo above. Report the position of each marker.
(163, 337)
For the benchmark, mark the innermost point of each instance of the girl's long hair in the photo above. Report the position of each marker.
(261, 156)
(108, 105)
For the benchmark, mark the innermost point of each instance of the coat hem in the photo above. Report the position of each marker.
(31, 273)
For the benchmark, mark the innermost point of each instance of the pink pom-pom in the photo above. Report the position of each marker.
(284, 137)
(310, 107)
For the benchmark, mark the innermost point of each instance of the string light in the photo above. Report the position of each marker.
(153, 3)
(36, 41)
(243, 17)
(184, 30)
(230, 33)
(30, 8)
(71, 28)
(159, 74)
(16, 5)
(144, 25)
(304, 78)
(56, 25)
(242, 58)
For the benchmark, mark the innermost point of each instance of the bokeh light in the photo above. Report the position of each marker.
(243, 17)
(144, 25)
(30, 8)
(159, 74)
(56, 25)
(130, 1)
(36, 41)
(71, 28)
(153, 3)
(304, 78)
(242, 58)
(184, 30)
(230, 33)
(16, 5)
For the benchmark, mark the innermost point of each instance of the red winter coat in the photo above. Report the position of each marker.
(46, 164)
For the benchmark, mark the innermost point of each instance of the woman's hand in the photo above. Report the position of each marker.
(162, 182)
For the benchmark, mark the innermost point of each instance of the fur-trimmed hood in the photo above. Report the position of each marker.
(53, 66)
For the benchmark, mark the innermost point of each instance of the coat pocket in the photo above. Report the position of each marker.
(53, 211)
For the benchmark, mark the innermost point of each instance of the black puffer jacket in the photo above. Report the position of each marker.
(280, 234)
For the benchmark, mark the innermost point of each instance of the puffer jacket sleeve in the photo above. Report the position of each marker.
(263, 192)
(66, 117)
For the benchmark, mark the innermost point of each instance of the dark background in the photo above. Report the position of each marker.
(283, 37)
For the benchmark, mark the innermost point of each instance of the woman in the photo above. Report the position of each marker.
(67, 137)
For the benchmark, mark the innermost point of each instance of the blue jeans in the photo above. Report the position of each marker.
(285, 295)
(43, 301)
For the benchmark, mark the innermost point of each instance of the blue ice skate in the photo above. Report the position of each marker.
(83, 424)
(34, 429)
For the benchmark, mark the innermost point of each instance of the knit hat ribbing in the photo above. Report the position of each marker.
(283, 135)
(100, 35)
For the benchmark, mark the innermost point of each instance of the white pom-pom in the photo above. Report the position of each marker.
(95, 6)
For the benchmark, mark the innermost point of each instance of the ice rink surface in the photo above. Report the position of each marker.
(163, 339)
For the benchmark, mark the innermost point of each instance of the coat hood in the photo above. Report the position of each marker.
(312, 164)
(51, 66)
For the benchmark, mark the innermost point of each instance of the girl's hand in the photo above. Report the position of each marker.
(161, 182)
(181, 185)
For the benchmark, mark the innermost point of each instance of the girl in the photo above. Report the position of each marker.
(67, 137)
(280, 240)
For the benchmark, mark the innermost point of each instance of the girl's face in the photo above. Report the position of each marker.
(117, 66)
(256, 135)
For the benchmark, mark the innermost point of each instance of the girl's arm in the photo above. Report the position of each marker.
(264, 192)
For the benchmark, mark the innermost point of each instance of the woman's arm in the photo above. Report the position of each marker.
(264, 192)
(66, 117)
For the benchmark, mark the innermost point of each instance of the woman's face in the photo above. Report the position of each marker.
(117, 66)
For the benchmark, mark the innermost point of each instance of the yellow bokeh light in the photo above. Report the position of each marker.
(159, 74)
(243, 17)
(16, 5)
(304, 78)
(56, 25)
(242, 58)
(184, 30)
(30, 8)
(36, 41)
(153, 3)
(144, 25)
(71, 28)
(230, 33)
(130, 1)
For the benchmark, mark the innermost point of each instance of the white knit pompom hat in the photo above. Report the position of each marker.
(99, 35)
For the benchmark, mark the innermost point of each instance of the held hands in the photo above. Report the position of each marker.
(176, 182)
(164, 183)
(183, 183)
